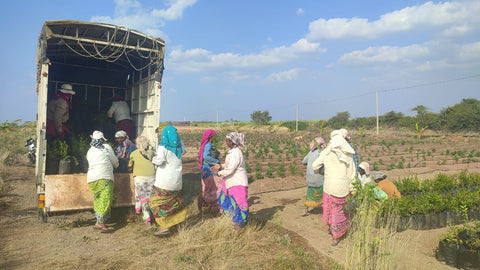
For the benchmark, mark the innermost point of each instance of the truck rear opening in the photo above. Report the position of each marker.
(99, 61)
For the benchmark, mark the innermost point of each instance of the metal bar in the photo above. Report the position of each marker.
(107, 43)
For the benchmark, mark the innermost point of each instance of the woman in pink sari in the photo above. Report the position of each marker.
(211, 183)
(233, 200)
(339, 176)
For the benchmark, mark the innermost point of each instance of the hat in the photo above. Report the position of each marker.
(120, 134)
(67, 89)
(379, 176)
(97, 135)
(365, 166)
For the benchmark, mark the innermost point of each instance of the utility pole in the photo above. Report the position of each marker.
(296, 121)
(217, 117)
(376, 94)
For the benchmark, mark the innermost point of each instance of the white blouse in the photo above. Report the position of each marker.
(233, 171)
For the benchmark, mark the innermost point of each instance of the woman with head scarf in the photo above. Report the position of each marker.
(234, 194)
(211, 183)
(124, 145)
(101, 162)
(166, 201)
(314, 181)
(143, 176)
(363, 174)
(339, 175)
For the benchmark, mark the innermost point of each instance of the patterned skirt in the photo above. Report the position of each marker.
(211, 188)
(143, 189)
(314, 196)
(102, 191)
(234, 203)
(167, 207)
(334, 215)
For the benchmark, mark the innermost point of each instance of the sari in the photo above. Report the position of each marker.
(334, 215)
(167, 207)
(234, 203)
(143, 189)
(102, 191)
(314, 196)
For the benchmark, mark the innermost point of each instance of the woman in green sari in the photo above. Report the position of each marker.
(101, 162)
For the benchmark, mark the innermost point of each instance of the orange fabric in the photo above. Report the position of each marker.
(389, 188)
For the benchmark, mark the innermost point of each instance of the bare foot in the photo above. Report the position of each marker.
(335, 242)
(162, 232)
(148, 226)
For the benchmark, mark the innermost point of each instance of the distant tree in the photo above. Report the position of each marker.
(261, 118)
(421, 112)
(339, 121)
(464, 116)
(392, 117)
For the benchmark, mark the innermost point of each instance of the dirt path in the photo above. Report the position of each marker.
(68, 241)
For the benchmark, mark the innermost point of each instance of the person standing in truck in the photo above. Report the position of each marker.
(121, 114)
(58, 114)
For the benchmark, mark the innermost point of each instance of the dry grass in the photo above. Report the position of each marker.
(216, 244)
(373, 239)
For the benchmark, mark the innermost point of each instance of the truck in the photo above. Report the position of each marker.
(99, 61)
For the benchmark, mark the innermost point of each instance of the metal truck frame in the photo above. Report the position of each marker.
(99, 60)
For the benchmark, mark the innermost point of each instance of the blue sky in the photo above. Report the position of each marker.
(228, 58)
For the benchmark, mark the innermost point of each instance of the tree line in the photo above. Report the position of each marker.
(464, 116)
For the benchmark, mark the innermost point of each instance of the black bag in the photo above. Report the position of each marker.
(214, 153)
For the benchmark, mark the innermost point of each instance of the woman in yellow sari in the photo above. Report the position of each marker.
(166, 201)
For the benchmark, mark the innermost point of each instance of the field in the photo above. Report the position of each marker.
(277, 237)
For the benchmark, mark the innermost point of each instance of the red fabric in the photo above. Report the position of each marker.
(334, 215)
(206, 136)
(127, 126)
(211, 187)
(51, 130)
(65, 97)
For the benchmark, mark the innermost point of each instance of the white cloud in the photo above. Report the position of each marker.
(470, 52)
(284, 76)
(384, 54)
(198, 60)
(175, 10)
(300, 11)
(131, 14)
(415, 18)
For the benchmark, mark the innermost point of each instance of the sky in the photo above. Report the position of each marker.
(305, 59)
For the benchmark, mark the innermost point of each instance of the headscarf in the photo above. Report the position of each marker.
(339, 145)
(171, 141)
(318, 141)
(377, 176)
(117, 98)
(121, 134)
(236, 138)
(205, 138)
(142, 144)
(365, 166)
(97, 143)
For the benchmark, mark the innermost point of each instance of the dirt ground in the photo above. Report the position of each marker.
(68, 240)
